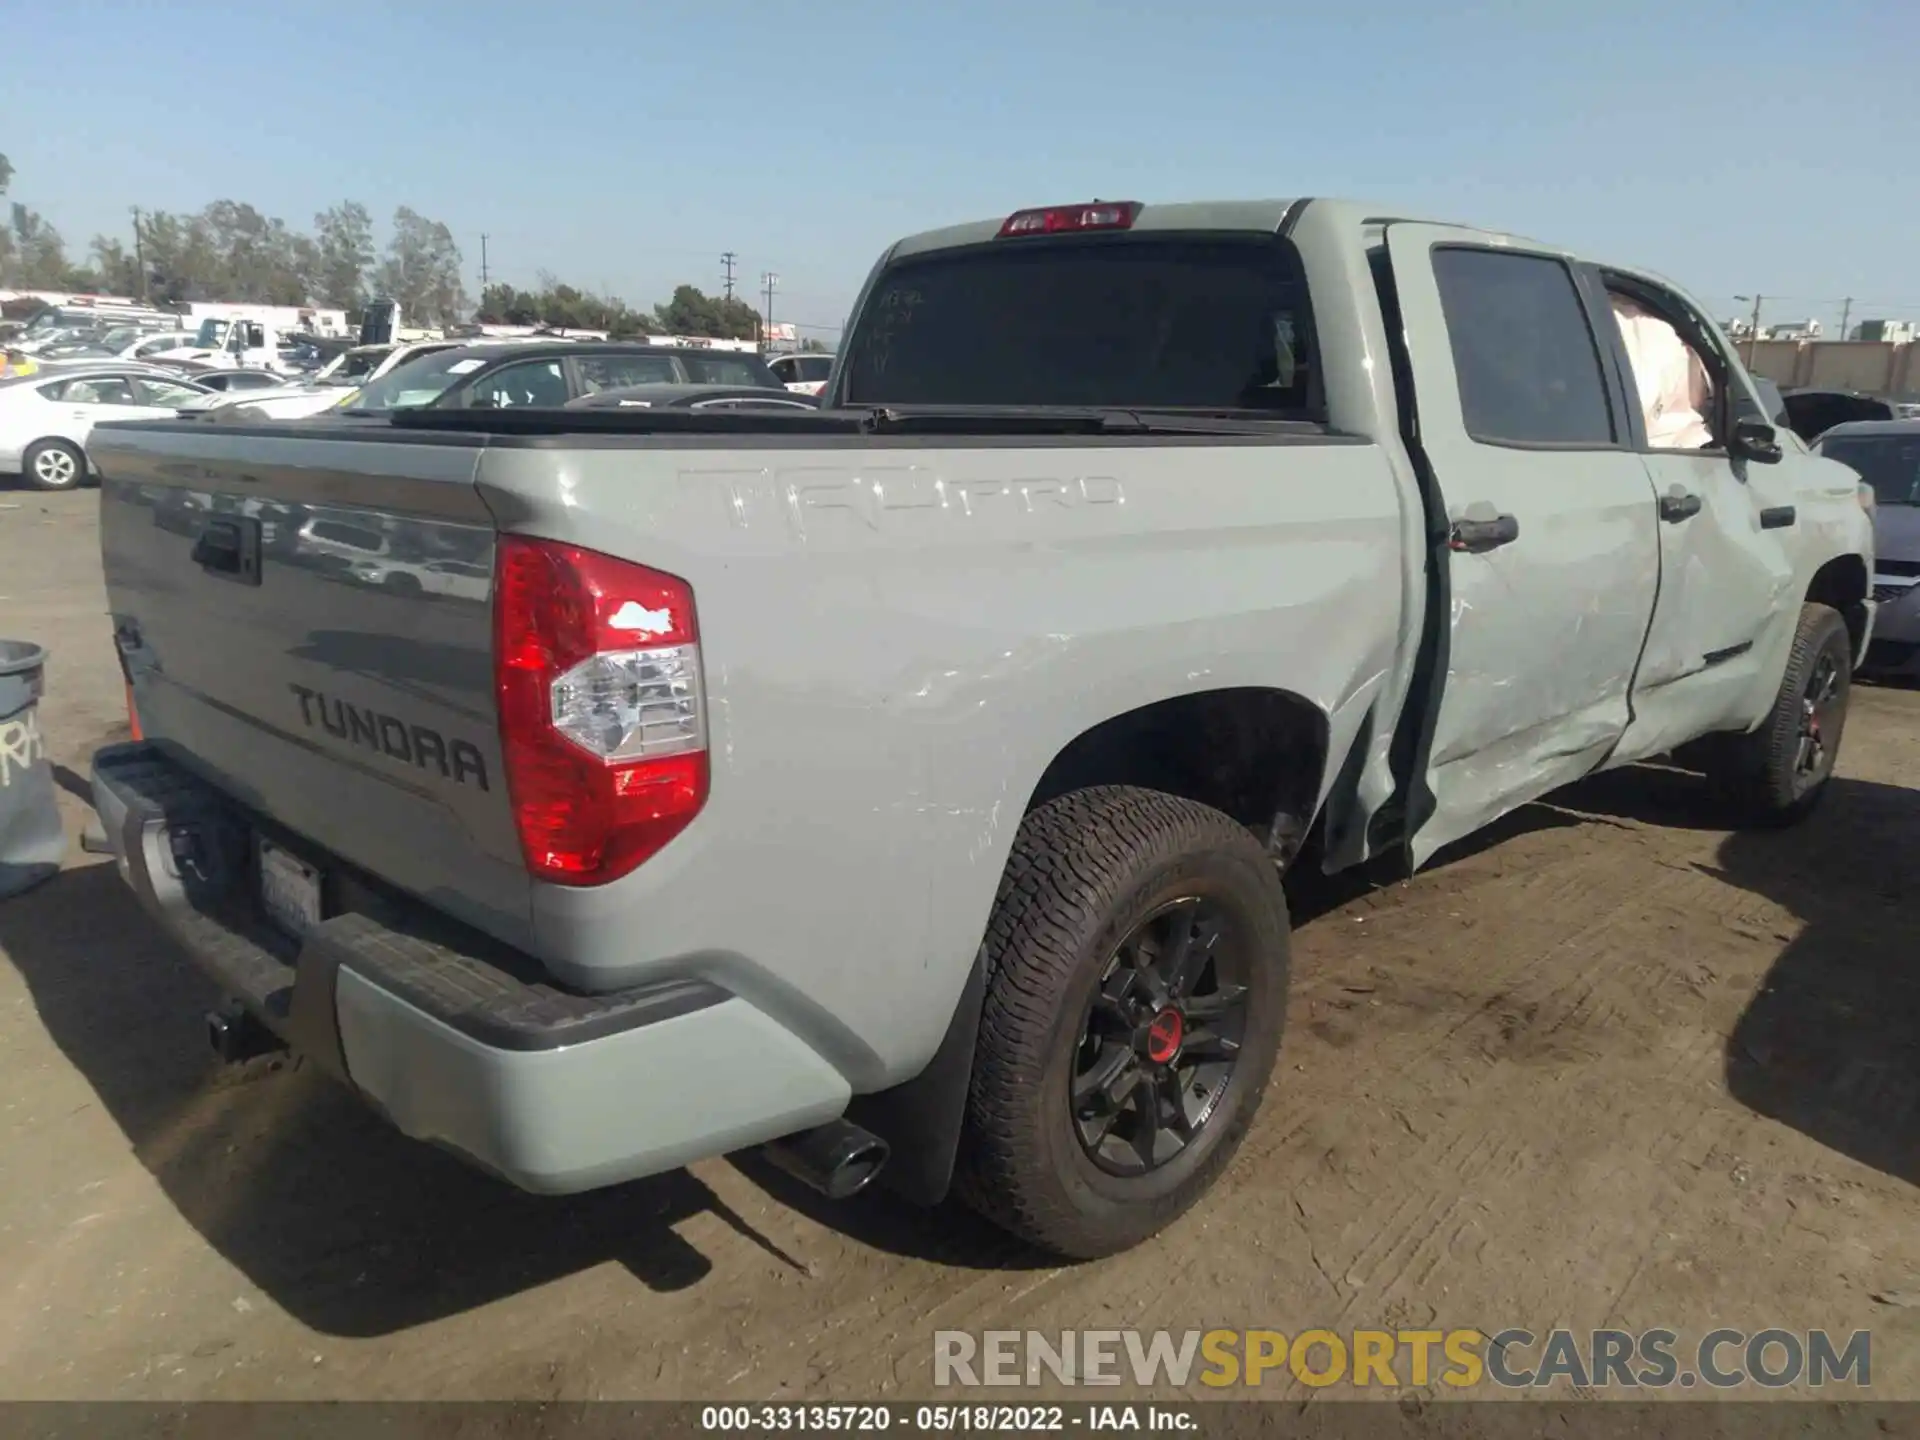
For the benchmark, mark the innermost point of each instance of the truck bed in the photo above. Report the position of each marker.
(892, 629)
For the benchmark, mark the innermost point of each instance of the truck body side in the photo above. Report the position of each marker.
(906, 640)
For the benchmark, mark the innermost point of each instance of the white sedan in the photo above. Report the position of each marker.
(804, 374)
(45, 418)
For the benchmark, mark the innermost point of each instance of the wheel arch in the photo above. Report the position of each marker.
(1843, 583)
(1257, 753)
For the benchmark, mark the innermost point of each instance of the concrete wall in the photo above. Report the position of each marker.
(1870, 366)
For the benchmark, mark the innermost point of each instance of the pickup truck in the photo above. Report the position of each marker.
(910, 783)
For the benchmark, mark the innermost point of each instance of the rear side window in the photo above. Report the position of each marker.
(721, 369)
(529, 382)
(1528, 366)
(813, 368)
(1149, 321)
(617, 372)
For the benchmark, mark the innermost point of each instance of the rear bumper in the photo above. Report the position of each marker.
(458, 1040)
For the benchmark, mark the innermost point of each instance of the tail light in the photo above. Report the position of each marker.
(602, 715)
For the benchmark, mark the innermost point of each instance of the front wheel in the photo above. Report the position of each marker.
(1777, 774)
(1136, 988)
(54, 465)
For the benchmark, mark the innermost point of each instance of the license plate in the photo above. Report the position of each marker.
(289, 888)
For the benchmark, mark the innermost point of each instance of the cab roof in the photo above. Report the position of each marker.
(1251, 216)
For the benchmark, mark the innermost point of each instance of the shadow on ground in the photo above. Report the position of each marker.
(355, 1230)
(351, 1227)
(1830, 1042)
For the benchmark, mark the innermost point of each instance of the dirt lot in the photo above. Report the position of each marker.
(1613, 1067)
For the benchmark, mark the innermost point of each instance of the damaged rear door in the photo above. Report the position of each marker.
(1554, 553)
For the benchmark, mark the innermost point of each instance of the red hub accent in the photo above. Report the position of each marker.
(1165, 1034)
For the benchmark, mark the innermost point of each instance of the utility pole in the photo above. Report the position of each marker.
(727, 259)
(139, 252)
(1846, 313)
(1753, 330)
(769, 282)
(483, 264)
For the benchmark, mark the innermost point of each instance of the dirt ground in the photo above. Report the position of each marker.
(1612, 1067)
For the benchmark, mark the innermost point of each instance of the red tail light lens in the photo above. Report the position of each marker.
(1054, 219)
(602, 715)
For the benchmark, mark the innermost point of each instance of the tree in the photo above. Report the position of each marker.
(181, 262)
(343, 240)
(118, 270)
(257, 258)
(692, 312)
(422, 270)
(38, 256)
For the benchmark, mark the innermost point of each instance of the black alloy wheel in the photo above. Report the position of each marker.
(1161, 1037)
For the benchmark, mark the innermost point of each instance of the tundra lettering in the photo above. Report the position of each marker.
(456, 760)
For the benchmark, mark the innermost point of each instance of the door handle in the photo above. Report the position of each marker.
(1776, 518)
(1677, 505)
(1475, 536)
(230, 547)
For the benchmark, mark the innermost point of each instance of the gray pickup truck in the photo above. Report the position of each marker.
(909, 783)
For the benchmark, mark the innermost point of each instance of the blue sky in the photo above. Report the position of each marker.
(1763, 145)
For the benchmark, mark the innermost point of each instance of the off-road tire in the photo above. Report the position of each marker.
(43, 454)
(1086, 869)
(1757, 773)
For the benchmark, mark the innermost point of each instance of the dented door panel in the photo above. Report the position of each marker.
(1728, 601)
(1545, 631)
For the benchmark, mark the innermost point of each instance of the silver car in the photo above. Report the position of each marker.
(1886, 453)
(47, 417)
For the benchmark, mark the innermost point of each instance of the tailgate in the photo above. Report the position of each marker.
(305, 616)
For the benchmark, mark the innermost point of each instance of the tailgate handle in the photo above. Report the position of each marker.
(230, 548)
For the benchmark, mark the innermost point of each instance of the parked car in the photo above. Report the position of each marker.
(1811, 413)
(123, 342)
(501, 375)
(804, 374)
(240, 382)
(47, 418)
(694, 397)
(327, 389)
(920, 771)
(1886, 455)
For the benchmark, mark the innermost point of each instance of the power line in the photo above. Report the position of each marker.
(727, 257)
(483, 261)
(769, 282)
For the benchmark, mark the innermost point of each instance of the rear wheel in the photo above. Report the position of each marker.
(1777, 774)
(54, 465)
(1136, 988)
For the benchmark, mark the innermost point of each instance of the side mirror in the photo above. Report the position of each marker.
(1755, 440)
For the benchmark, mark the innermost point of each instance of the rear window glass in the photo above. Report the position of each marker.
(1162, 323)
(1889, 463)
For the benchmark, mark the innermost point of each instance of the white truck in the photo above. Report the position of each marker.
(910, 782)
